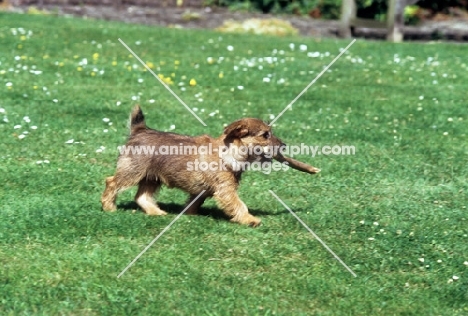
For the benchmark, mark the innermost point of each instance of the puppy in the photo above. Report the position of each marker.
(146, 164)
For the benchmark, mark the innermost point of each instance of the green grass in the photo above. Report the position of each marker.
(400, 199)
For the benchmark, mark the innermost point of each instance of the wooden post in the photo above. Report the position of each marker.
(395, 20)
(348, 13)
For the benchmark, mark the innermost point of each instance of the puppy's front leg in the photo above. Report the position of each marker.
(234, 208)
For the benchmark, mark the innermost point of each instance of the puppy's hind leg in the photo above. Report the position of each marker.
(114, 185)
(193, 208)
(144, 197)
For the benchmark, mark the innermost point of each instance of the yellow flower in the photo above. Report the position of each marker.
(24, 57)
(45, 56)
(193, 82)
(129, 68)
(20, 46)
(22, 37)
(221, 75)
(114, 63)
(35, 87)
(150, 64)
(79, 68)
(93, 74)
(95, 56)
(61, 64)
(75, 56)
(176, 62)
(173, 75)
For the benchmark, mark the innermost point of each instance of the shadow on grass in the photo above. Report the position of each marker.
(213, 212)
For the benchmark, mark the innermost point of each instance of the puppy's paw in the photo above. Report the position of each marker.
(248, 219)
(155, 212)
(109, 207)
(256, 222)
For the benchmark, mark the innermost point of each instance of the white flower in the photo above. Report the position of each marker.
(8, 84)
(46, 161)
(151, 101)
(455, 278)
(55, 100)
(421, 259)
(21, 136)
(172, 127)
(106, 120)
(2, 110)
(212, 114)
(272, 116)
(266, 79)
(70, 141)
(371, 238)
(375, 223)
(34, 127)
(17, 126)
(27, 119)
(303, 47)
(230, 48)
(281, 81)
(140, 80)
(291, 46)
(240, 87)
(314, 54)
(118, 103)
(421, 97)
(465, 263)
(450, 119)
(105, 131)
(134, 98)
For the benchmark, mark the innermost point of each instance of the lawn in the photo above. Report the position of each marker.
(394, 212)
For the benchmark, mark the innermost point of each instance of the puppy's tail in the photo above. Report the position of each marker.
(137, 120)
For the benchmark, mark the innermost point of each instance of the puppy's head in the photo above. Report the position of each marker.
(252, 139)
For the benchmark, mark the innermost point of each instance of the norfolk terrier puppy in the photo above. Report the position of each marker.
(216, 170)
(202, 166)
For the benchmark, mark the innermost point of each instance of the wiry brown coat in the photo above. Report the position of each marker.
(149, 172)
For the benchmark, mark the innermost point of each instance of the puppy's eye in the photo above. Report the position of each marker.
(266, 135)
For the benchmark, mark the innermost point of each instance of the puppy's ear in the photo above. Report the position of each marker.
(236, 130)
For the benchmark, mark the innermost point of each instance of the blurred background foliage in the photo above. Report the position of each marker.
(330, 9)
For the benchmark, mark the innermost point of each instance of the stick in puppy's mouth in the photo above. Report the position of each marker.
(296, 164)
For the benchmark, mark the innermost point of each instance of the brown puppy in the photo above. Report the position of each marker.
(194, 164)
